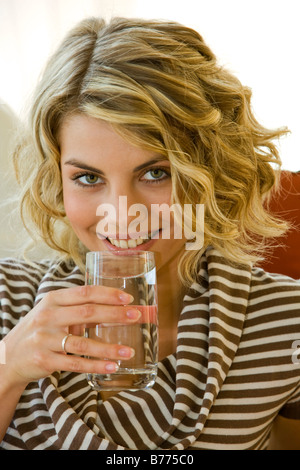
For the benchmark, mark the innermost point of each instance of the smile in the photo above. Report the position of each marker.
(127, 243)
(131, 243)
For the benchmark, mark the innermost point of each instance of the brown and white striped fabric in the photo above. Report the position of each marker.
(231, 375)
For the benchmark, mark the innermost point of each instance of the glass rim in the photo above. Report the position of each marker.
(120, 252)
(131, 258)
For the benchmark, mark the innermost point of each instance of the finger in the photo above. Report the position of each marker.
(88, 366)
(88, 295)
(47, 363)
(82, 346)
(91, 315)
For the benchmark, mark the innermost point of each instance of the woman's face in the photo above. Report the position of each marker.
(103, 177)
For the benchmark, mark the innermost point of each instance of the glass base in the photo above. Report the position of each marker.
(124, 379)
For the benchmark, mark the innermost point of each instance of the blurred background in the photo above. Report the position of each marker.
(257, 40)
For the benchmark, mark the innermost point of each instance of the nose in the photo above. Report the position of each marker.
(125, 215)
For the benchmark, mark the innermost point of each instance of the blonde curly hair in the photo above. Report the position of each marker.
(160, 86)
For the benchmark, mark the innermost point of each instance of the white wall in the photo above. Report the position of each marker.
(257, 39)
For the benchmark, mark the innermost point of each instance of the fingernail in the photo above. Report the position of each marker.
(112, 367)
(126, 298)
(126, 352)
(133, 314)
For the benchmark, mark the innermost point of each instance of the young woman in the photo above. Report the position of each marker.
(142, 109)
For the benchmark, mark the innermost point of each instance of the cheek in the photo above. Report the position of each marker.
(78, 213)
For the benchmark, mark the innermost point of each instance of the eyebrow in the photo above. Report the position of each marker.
(84, 166)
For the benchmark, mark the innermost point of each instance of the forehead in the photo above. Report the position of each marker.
(86, 138)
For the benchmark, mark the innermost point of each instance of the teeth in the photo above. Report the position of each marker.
(127, 243)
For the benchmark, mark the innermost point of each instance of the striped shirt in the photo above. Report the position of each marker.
(235, 368)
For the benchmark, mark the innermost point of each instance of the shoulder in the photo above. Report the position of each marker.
(23, 284)
(23, 279)
(17, 271)
(19, 282)
(274, 295)
(263, 282)
(21, 268)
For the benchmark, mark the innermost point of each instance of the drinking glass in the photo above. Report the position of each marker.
(135, 273)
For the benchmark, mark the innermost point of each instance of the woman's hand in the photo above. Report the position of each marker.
(34, 346)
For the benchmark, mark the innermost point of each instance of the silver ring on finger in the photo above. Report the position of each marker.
(63, 343)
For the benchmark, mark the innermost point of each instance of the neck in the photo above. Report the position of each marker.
(170, 293)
